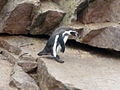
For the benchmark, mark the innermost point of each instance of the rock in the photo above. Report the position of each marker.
(101, 11)
(27, 66)
(46, 81)
(77, 71)
(34, 76)
(47, 18)
(17, 16)
(2, 3)
(19, 19)
(22, 80)
(105, 35)
(27, 62)
(5, 71)
(84, 68)
(4, 44)
(108, 38)
(69, 6)
(7, 56)
(26, 57)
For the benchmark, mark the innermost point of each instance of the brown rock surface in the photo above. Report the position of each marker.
(22, 80)
(27, 62)
(2, 3)
(108, 37)
(16, 16)
(4, 44)
(27, 66)
(47, 18)
(104, 35)
(8, 56)
(19, 19)
(101, 11)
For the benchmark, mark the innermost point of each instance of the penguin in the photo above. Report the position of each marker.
(57, 41)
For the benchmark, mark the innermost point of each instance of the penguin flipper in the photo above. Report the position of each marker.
(61, 42)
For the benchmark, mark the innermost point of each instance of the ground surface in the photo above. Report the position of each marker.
(82, 69)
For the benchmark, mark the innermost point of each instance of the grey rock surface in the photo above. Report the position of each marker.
(82, 69)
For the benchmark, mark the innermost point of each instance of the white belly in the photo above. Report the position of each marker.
(65, 39)
(59, 47)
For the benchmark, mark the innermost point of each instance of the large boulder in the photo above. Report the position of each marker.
(108, 37)
(101, 11)
(81, 71)
(16, 16)
(22, 80)
(19, 19)
(47, 17)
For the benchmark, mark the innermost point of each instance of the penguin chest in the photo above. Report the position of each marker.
(59, 46)
(65, 39)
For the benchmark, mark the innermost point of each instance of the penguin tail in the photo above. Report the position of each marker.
(43, 52)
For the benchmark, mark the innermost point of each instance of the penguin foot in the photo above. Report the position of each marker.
(58, 59)
(40, 54)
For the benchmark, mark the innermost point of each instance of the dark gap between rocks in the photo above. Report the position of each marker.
(42, 36)
(33, 71)
(94, 50)
(77, 45)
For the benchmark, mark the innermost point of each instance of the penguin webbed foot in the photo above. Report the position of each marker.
(57, 58)
(41, 53)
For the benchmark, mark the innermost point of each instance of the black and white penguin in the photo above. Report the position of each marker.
(56, 42)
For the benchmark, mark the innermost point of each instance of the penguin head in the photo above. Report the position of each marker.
(73, 33)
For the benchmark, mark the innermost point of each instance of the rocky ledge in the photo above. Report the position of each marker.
(85, 68)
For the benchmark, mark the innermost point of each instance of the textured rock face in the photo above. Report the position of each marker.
(5, 71)
(22, 80)
(108, 37)
(27, 62)
(75, 74)
(4, 44)
(2, 3)
(101, 11)
(47, 18)
(16, 16)
(46, 81)
(19, 19)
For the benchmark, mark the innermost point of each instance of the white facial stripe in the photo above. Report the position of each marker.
(54, 46)
(66, 32)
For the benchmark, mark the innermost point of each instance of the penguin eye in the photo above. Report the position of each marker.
(72, 33)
